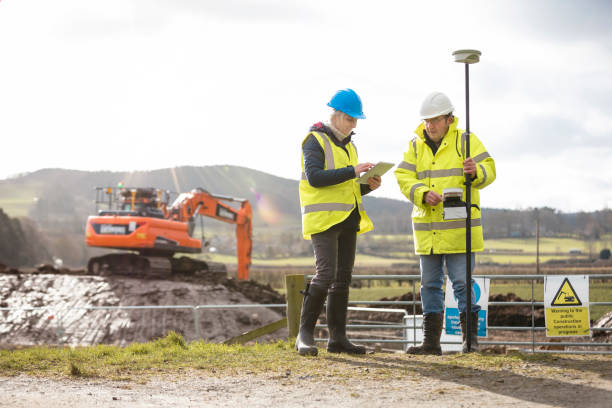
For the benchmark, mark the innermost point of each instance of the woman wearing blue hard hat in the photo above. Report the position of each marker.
(332, 216)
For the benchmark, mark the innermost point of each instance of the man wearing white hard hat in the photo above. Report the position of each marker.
(432, 176)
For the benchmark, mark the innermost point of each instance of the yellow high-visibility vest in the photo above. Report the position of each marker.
(324, 207)
(422, 171)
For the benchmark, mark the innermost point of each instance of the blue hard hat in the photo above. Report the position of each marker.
(347, 101)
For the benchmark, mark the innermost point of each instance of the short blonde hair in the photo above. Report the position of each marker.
(339, 114)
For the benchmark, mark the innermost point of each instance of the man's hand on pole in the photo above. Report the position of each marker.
(469, 167)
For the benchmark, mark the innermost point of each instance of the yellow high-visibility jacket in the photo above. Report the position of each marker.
(421, 171)
(324, 207)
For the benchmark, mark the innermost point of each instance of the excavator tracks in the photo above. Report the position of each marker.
(154, 267)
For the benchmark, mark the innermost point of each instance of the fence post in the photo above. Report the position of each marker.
(196, 324)
(293, 285)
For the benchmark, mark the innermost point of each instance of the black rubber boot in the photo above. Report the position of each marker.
(314, 298)
(337, 302)
(474, 327)
(432, 330)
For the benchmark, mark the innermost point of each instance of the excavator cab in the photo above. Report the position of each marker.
(142, 202)
(145, 202)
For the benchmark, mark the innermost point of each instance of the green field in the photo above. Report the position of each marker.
(361, 260)
(515, 251)
(16, 202)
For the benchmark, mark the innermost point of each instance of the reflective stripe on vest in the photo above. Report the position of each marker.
(481, 157)
(407, 166)
(413, 189)
(439, 173)
(329, 154)
(484, 176)
(478, 158)
(447, 225)
(326, 207)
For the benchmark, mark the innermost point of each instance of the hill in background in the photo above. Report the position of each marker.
(55, 192)
(51, 195)
(59, 202)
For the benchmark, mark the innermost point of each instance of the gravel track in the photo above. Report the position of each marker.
(377, 380)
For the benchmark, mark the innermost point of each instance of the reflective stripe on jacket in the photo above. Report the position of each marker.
(422, 171)
(324, 207)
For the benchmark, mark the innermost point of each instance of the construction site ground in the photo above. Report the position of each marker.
(374, 380)
(67, 314)
(564, 381)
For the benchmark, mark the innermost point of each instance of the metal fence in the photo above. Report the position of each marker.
(533, 346)
(410, 327)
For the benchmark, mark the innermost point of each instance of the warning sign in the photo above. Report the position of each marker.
(566, 295)
(566, 302)
(481, 297)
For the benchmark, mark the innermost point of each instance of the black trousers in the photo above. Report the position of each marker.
(334, 252)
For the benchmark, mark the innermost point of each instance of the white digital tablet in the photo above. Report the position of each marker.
(378, 170)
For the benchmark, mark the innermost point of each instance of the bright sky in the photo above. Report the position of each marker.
(147, 84)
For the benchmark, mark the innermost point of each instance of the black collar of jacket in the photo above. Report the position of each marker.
(432, 145)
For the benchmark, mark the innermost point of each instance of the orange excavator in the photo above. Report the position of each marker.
(140, 220)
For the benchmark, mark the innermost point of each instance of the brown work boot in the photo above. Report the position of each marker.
(314, 298)
(432, 330)
(337, 302)
(474, 327)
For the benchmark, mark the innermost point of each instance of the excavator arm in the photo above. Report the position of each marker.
(201, 202)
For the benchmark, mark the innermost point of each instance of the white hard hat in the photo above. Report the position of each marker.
(436, 104)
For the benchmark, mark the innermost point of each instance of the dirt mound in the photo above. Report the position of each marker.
(252, 290)
(20, 241)
(256, 292)
(513, 316)
(83, 309)
(603, 336)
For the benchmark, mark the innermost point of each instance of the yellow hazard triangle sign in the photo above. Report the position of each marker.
(566, 295)
(566, 305)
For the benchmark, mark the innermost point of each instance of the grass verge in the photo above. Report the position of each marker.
(172, 356)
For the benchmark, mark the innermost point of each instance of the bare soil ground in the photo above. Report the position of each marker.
(70, 320)
(375, 380)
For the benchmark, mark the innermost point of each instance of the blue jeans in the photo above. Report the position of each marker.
(432, 279)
